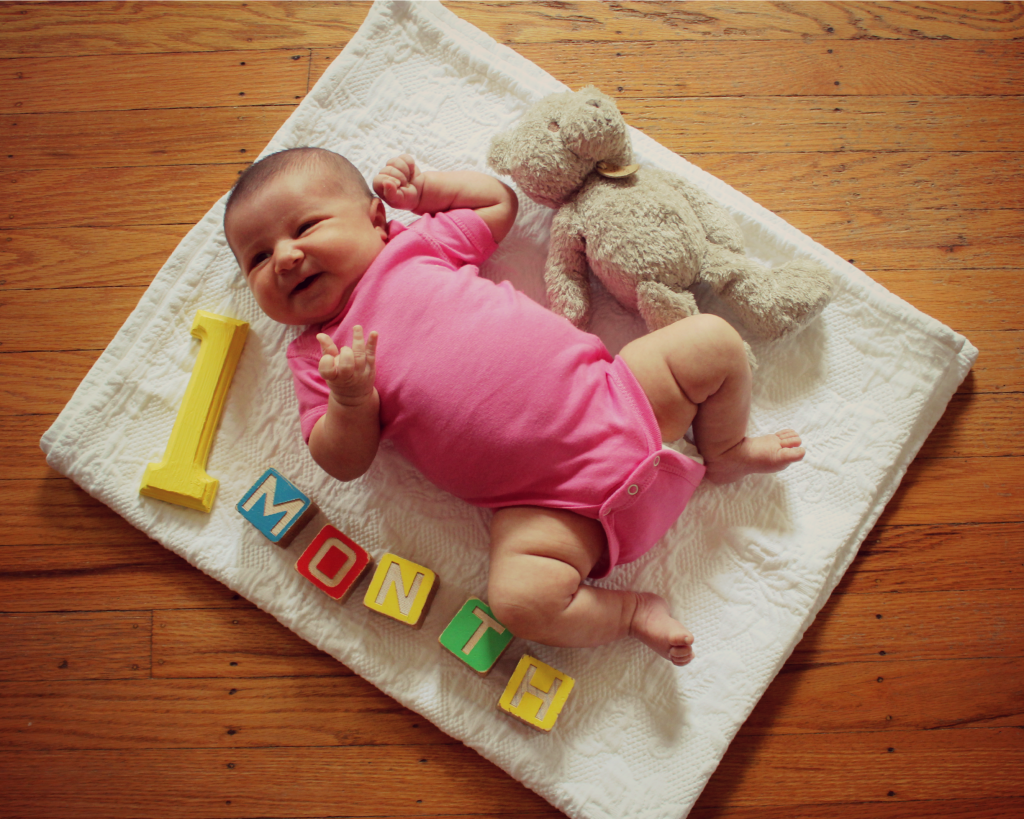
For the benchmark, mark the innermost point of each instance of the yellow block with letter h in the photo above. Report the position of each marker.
(536, 693)
(401, 589)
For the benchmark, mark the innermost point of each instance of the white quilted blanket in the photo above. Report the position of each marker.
(747, 567)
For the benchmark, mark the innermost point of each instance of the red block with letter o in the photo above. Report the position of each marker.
(333, 563)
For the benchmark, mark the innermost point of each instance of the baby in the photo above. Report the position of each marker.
(491, 396)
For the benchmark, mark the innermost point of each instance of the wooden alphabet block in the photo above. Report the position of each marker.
(401, 589)
(536, 693)
(284, 510)
(180, 476)
(475, 636)
(333, 563)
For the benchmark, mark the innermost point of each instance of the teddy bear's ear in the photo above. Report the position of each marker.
(498, 155)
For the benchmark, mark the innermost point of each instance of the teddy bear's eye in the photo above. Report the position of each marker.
(595, 103)
(553, 127)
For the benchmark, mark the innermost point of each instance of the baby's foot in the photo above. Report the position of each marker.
(654, 625)
(768, 453)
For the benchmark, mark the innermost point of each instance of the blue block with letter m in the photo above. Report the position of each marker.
(277, 507)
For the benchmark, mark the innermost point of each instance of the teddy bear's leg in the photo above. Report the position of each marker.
(660, 306)
(769, 303)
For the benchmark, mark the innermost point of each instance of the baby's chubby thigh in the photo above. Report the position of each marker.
(539, 559)
(678, 366)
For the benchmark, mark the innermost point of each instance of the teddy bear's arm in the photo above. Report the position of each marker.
(718, 224)
(565, 274)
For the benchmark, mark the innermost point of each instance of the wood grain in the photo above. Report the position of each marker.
(112, 199)
(81, 519)
(233, 643)
(106, 257)
(674, 21)
(979, 180)
(934, 557)
(817, 68)
(121, 570)
(44, 84)
(798, 124)
(98, 315)
(75, 646)
(905, 765)
(926, 495)
(408, 780)
(951, 808)
(131, 684)
(23, 391)
(143, 27)
(904, 694)
(117, 139)
(884, 628)
(920, 240)
(1000, 364)
(317, 712)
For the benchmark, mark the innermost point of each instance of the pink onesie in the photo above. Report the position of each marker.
(495, 398)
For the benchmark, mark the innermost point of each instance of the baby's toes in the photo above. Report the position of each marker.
(789, 438)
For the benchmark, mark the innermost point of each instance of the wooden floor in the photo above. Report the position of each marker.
(131, 685)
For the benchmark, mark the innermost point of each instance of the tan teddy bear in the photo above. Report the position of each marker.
(648, 235)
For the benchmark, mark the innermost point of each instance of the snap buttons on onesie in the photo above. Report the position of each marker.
(653, 495)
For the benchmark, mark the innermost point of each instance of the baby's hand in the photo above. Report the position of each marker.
(399, 184)
(349, 372)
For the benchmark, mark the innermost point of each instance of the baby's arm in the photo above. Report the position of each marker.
(402, 185)
(344, 441)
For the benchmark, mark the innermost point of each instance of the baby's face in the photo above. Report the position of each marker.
(303, 245)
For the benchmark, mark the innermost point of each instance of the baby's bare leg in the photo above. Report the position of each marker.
(539, 559)
(696, 372)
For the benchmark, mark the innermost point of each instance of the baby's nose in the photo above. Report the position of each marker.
(287, 256)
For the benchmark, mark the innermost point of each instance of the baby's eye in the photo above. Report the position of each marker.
(305, 226)
(258, 259)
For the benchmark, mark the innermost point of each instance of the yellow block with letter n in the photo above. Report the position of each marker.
(401, 589)
(536, 693)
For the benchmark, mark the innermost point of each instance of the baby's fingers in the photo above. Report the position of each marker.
(328, 368)
(371, 348)
(364, 351)
(359, 342)
(386, 186)
(327, 345)
(404, 165)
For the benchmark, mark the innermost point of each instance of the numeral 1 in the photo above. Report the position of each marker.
(180, 476)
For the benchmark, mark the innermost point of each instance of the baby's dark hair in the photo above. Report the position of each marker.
(333, 165)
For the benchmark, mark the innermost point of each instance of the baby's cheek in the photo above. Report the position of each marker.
(264, 297)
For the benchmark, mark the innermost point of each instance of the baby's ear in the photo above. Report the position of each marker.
(498, 155)
(379, 215)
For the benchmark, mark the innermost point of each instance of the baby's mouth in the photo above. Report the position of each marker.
(306, 282)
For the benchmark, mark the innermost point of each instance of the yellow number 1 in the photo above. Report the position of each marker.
(180, 476)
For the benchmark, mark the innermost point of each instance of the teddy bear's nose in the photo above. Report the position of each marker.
(595, 102)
